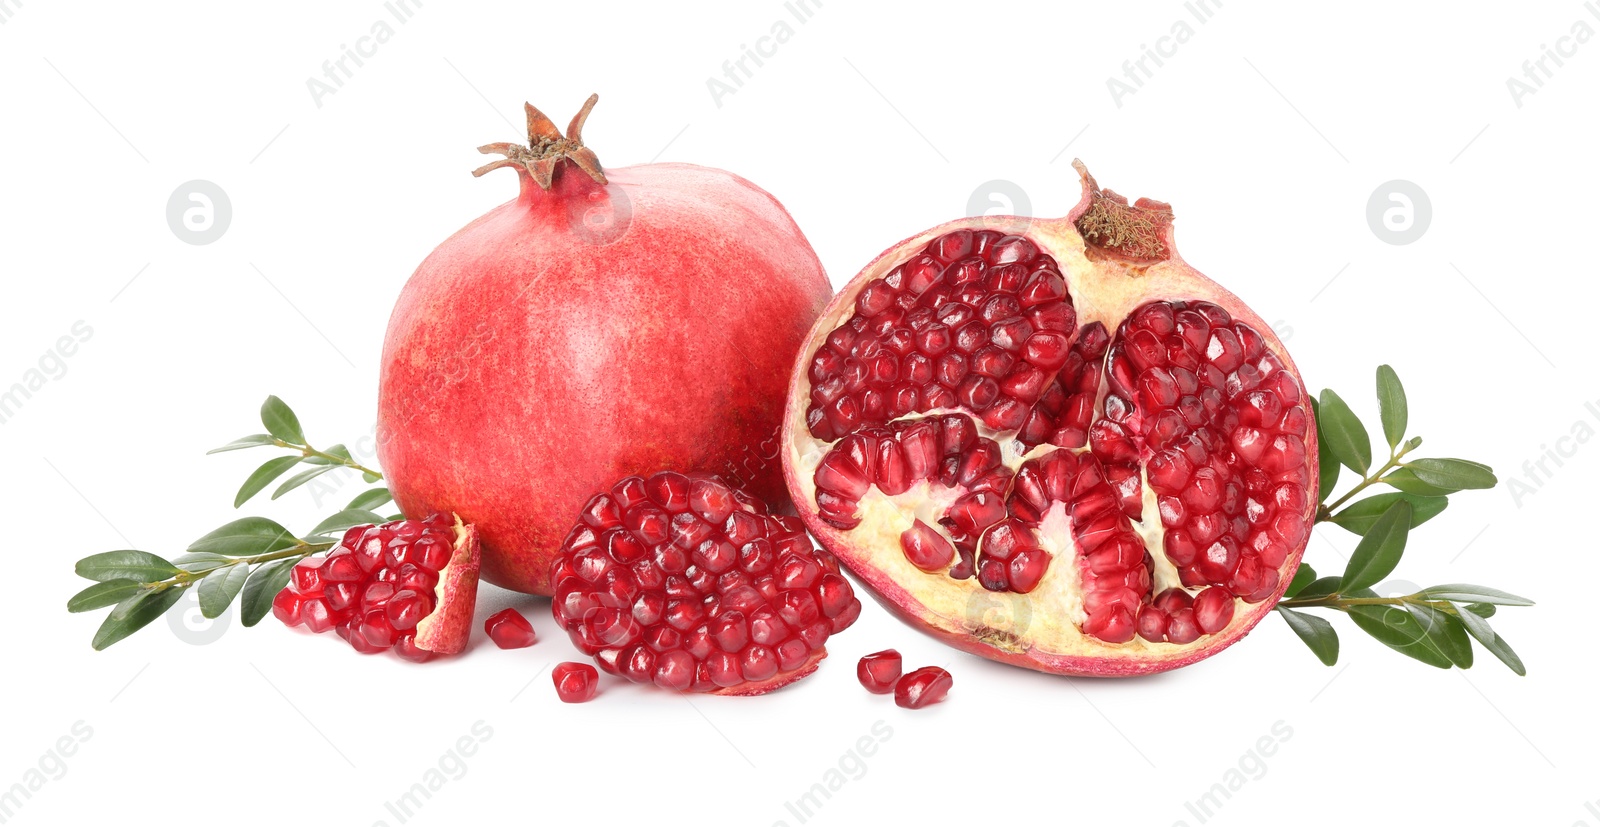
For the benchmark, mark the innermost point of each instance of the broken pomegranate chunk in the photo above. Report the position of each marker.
(408, 585)
(688, 583)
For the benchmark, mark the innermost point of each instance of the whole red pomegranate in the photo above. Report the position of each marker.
(604, 323)
(1054, 443)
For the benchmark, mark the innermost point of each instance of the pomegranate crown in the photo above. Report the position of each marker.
(547, 148)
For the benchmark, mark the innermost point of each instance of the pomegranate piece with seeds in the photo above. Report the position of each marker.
(925, 686)
(879, 671)
(509, 630)
(1062, 423)
(690, 584)
(575, 682)
(409, 586)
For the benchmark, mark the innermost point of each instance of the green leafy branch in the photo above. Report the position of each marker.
(249, 559)
(284, 431)
(1435, 625)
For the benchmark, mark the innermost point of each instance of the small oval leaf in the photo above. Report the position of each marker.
(101, 595)
(1317, 633)
(1456, 474)
(220, 587)
(1327, 464)
(345, 520)
(281, 422)
(1303, 576)
(125, 565)
(1359, 516)
(121, 623)
(1398, 630)
(1464, 593)
(1391, 405)
(251, 441)
(262, 477)
(1379, 550)
(1321, 587)
(1491, 640)
(264, 584)
(1404, 480)
(1445, 632)
(245, 538)
(301, 479)
(371, 499)
(1345, 435)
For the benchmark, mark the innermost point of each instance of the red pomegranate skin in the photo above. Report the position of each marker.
(579, 335)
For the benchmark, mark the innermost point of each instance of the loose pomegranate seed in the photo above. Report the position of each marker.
(928, 685)
(723, 597)
(575, 682)
(509, 629)
(879, 671)
(385, 587)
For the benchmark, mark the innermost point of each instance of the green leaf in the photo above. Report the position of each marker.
(1346, 436)
(1302, 578)
(245, 538)
(1404, 480)
(1454, 474)
(263, 476)
(346, 519)
(1465, 593)
(1359, 516)
(301, 479)
(1379, 550)
(1321, 587)
(103, 594)
(368, 477)
(281, 422)
(1391, 405)
(251, 441)
(1482, 609)
(1316, 632)
(1445, 632)
(142, 608)
(371, 499)
(1491, 640)
(1398, 630)
(1327, 466)
(220, 587)
(125, 565)
(264, 584)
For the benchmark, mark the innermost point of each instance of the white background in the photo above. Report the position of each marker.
(1268, 130)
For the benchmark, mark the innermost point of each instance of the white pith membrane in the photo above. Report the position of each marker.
(444, 630)
(1043, 625)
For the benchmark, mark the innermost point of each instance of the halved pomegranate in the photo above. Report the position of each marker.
(409, 585)
(688, 583)
(1058, 446)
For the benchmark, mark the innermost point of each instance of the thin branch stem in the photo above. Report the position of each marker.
(1394, 462)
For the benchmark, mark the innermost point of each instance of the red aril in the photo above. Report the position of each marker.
(690, 584)
(928, 685)
(606, 322)
(509, 630)
(1053, 443)
(409, 585)
(879, 671)
(575, 682)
